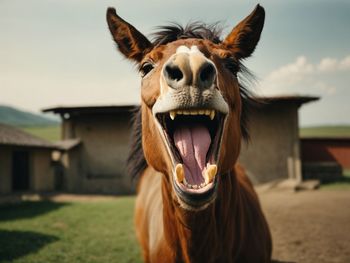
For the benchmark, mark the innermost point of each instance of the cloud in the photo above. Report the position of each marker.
(327, 65)
(292, 73)
(345, 63)
(296, 76)
(332, 64)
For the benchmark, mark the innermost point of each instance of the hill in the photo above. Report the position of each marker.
(12, 116)
(325, 131)
(50, 133)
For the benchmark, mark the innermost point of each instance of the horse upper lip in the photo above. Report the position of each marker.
(186, 101)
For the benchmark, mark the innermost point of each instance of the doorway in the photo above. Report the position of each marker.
(20, 171)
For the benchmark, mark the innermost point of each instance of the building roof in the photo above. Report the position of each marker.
(129, 108)
(68, 144)
(10, 135)
(91, 109)
(290, 98)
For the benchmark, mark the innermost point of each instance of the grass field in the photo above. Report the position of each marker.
(325, 131)
(68, 232)
(343, 184)
(53, 133)
(50, 133)
(102, 231)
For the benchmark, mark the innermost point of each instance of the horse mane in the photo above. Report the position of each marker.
(136, 162)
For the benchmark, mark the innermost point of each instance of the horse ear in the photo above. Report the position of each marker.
(130, 41)
(245, 36)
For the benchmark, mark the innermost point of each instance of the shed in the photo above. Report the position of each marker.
(273, 152)
(95, 158)
(25, 162)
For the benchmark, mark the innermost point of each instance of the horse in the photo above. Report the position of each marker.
(194, 201)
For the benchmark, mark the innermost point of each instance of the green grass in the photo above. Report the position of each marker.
(339, 185)
(325, 131)
(50, 133)
(68, 232)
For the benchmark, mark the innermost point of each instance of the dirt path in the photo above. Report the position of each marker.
(311, 226)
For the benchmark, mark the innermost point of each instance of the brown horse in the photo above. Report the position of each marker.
(194, 203)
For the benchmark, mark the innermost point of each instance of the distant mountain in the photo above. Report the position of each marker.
(12, 116)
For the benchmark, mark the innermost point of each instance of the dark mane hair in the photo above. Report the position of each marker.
(174, 31)
(136, 162)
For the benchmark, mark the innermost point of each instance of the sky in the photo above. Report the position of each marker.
(60, 52)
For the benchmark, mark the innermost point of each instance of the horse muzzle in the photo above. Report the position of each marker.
(192, 134)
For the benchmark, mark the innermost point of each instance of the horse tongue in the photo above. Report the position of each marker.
(193, 144)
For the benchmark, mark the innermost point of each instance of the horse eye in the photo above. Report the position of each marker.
(146, 68)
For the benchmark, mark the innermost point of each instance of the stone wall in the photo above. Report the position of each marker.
(98, 165)
(273, 151)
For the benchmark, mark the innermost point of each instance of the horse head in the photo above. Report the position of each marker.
(192, 101)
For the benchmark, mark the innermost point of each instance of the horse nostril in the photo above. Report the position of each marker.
(173, 72)
(208, 74)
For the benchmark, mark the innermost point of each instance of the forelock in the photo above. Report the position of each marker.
(175, 31)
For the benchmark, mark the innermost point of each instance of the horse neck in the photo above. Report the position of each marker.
(197, 234)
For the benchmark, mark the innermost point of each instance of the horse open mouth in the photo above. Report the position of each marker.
(193, 138)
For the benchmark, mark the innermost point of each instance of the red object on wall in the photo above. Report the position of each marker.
(326, 150)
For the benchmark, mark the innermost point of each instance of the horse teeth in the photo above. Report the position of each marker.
(210, 173)
(185, 183)
(172, 115)
(212, 115)
(179, 172)
(194, 186)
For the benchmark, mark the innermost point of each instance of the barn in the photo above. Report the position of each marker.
(25, 162)
(326, 149)
(325, 158)
(95, 141)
